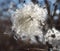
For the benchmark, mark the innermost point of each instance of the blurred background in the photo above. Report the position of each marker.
(7, 8)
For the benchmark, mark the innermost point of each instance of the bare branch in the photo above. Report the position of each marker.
(55, 8)
(34, 1)
(47, 6)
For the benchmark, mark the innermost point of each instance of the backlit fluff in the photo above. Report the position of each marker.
(26, 22)
(55, 41)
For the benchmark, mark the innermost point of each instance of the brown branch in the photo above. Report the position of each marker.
(34, 1)
(47, 6)
(55, 8)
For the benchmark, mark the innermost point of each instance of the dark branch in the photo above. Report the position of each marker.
(34, 1)
(47, 6)
(55, 8)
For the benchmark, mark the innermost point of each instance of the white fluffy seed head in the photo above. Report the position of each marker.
(26, 20)
(54, 41)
